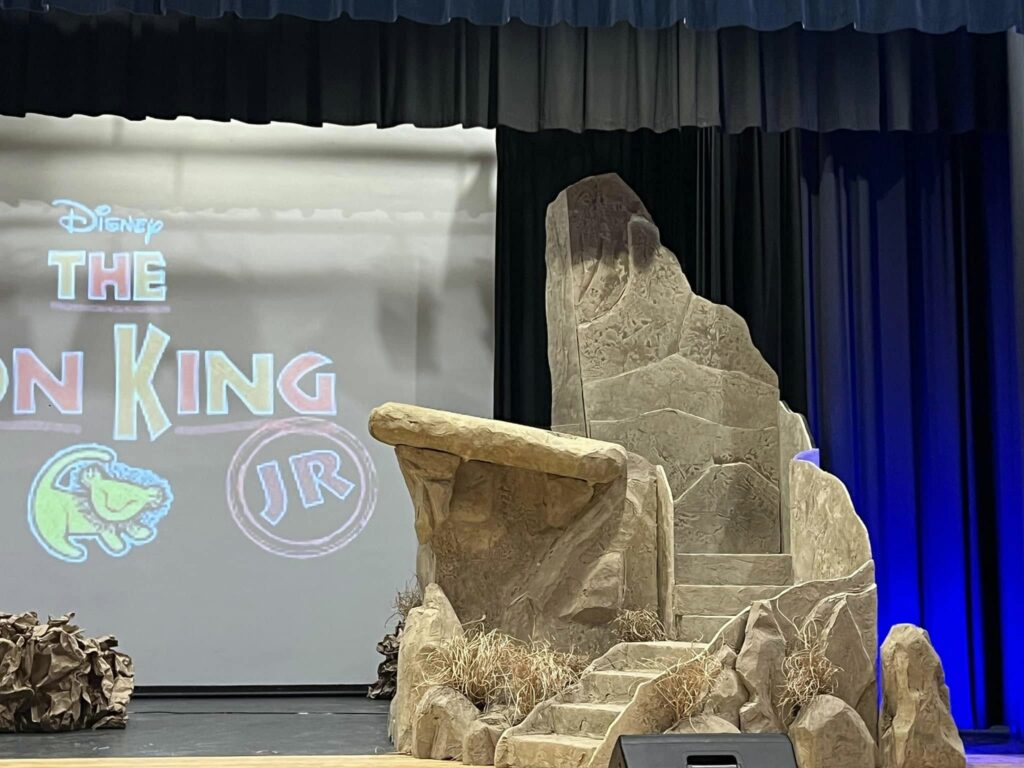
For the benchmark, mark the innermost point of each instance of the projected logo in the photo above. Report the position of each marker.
(301, 487)
(83, 493)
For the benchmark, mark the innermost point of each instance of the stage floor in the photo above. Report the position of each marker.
(256, 732)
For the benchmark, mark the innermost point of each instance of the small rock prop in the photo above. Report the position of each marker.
(52, 678)
(387, 670)
(916, 723)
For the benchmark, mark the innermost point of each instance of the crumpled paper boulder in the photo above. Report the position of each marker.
(52, 678)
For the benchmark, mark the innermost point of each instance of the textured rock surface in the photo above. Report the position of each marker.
(917, 728)
(480, 740)
(828, 538)
(426, 627)
(442, 719)
(828, 733)
(638, 359)
(539, 535)
(794, 437)
(759, 665)
(703, 724)
(647, 711)
(54, 678)
(728, 694)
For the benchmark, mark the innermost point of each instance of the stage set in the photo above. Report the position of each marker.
(660, 406)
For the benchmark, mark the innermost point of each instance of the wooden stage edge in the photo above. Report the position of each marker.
(326, 761)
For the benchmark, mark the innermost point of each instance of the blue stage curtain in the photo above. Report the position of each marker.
(865, 15)
(914, 387)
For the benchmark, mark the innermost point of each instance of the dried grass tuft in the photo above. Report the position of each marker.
(499, 672)
(687, 685)
(807, 672)
(407, 599)
(639, 626)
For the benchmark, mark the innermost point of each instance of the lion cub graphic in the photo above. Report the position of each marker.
(84, 493)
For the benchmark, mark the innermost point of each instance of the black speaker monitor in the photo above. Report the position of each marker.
(704, 750)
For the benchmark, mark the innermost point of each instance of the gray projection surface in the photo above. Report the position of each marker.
(184, 458)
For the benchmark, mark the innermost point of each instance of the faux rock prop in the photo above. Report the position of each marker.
(387, 670)
(917, 728)
(703, 724)
(638, 359)
(759, 665)
(829, 540)
(442, 719)
(536, 534)
(828, 733)
(648, 712)
(52, 678)
(426, 627)
(481, 738)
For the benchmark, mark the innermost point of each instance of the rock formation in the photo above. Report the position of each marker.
(536, 534)
(916, 724)
(638, 359)
(828, 537)
(668, 483)
(441, 721)
(828, 733)
(426, 627)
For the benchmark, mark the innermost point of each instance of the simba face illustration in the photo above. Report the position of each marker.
(117, 500)
(84, 493)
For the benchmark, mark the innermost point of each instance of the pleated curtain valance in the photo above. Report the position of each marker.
(529, 78)
(935, 16)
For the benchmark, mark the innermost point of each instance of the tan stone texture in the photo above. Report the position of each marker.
(637, 359)
(916, 724)
(647, 711)
(794, 437)
(828, 537)
(703, 723)
(533, 553)
(441, 721)
(480, 740)
(828, 733)
(426, 627)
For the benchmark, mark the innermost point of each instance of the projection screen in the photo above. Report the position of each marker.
(195, 322)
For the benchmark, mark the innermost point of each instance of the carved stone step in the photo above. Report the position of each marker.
(699, 629)
(590, 720)
(657, 655)
(719, 599)
(734, 569)
(545, 750)
(613, 686)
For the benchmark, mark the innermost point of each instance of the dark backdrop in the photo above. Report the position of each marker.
(728, 206)
(913, 387)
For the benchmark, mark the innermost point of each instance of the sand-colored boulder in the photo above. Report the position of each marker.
(638, 359)
(828, 733)
(535, 534)
(828, 539)
(426, 627)
(794, 438)
(728, 694)
(759, 665)
(498, 442)
(703, 723)
(441, 721)
(481, 738)
(917, 728)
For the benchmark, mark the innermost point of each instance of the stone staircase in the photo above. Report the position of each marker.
(565, 732)
(712, 588)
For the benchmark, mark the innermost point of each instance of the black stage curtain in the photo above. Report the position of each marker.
(350, 72)
(728, 206)
(870, 15)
